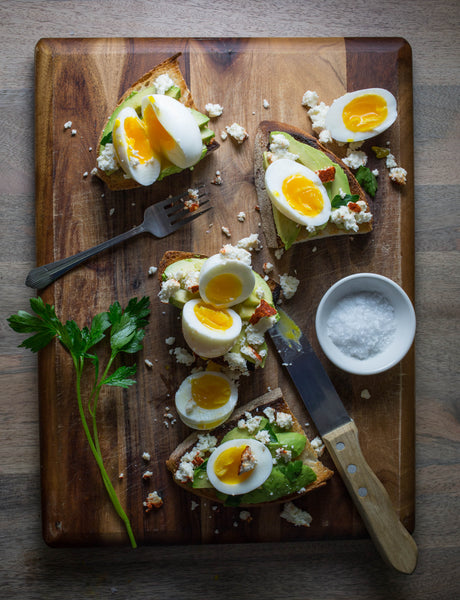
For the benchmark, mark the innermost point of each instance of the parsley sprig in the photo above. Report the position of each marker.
(125, 329)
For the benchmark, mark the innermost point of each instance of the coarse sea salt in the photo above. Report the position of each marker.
(362, 325)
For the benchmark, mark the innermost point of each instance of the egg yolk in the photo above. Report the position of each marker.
(365, 112)
(159, 138)
(212, 317)
(210, 392)
(139, 147)
(223, 288)
(303, 195)
(227, 464)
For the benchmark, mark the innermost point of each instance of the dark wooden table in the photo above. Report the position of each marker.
(295, 570)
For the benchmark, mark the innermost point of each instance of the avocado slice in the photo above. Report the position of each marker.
(314, 159)
(291, 440)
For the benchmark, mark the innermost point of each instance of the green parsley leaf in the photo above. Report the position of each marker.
(122, 377)
(107, 139)
(268, 427)
(367, 180)
(291, 470)
(337, 200)
(45, 325)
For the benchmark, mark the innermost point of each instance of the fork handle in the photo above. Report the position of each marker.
(40, 277)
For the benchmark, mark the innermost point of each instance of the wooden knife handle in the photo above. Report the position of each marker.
(391, 538)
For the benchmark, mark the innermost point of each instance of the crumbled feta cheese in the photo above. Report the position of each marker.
(283, 455)
(270, 414)
(67, 124)
(375, 172)
(153, 500)
(398, 175)
(85, 174)
(236, 362)
(223, 135)
(310, 99)
(250, 423)
(348, 219)
(296, 515)
(146, 456)
(183, 356)
(317, 115)
(289, 285)
(250, 243)
(147, 475)
(317, 445)
(226, 231)
(194, 505)
(236, 253)
(237, 132)
(168, 289)
(279, 253)
(267, 267)
(263, 436)
(205, 445)
(74, 132)
(94, 171)
(284, 420)
(241, 216)
(266, 103)
(390, 161)
(152, 270)
(325, 136)
(148, 363)
(107, 160)
(111, 212)
(214, 110)
(217, 179)
(355, 158)
(365, 394)
(170, 340)
(163, 83)
(279, 148)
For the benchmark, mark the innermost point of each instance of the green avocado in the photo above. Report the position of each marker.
(290, 440)
(314, 159)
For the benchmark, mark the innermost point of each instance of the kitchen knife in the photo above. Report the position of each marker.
(340, 436)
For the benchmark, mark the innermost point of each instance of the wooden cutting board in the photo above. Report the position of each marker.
(80, 80)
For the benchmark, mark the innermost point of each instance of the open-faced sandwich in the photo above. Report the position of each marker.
(304, 190)
(260, 455)
(226, 306)
(155, 130)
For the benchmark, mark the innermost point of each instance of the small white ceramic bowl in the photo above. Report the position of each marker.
(404, 315)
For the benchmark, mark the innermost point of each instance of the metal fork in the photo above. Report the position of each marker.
(160, 220)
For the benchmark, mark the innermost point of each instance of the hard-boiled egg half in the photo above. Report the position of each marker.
(133, 149)
(360, 115)
(206, 399)
(209, 331)
(172, 130)
(297, 192)
(239, 466)
(225, 282)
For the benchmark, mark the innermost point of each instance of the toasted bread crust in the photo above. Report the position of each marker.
(261, 145)
(273, 399)
(170, 66)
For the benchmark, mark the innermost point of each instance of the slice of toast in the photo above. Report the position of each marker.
(170, 66)
(273, 399)
(261, 145)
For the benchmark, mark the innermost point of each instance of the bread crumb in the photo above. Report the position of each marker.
(295, 515)
(226, 231)
(153, 500)
(147, 475)
(217, 179)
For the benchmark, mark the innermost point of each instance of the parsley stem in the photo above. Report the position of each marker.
(95, 449)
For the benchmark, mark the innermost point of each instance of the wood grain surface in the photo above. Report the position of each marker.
(73, 213)
(329, 569)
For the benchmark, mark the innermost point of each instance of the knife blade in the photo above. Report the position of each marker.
(340, 436)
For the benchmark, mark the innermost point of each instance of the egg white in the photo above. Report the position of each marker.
(143, 169)
(283, 168)
(182, 145)
(219, 266)
(199, 417)
(261, 472)
(334, 117)
(205, 341)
